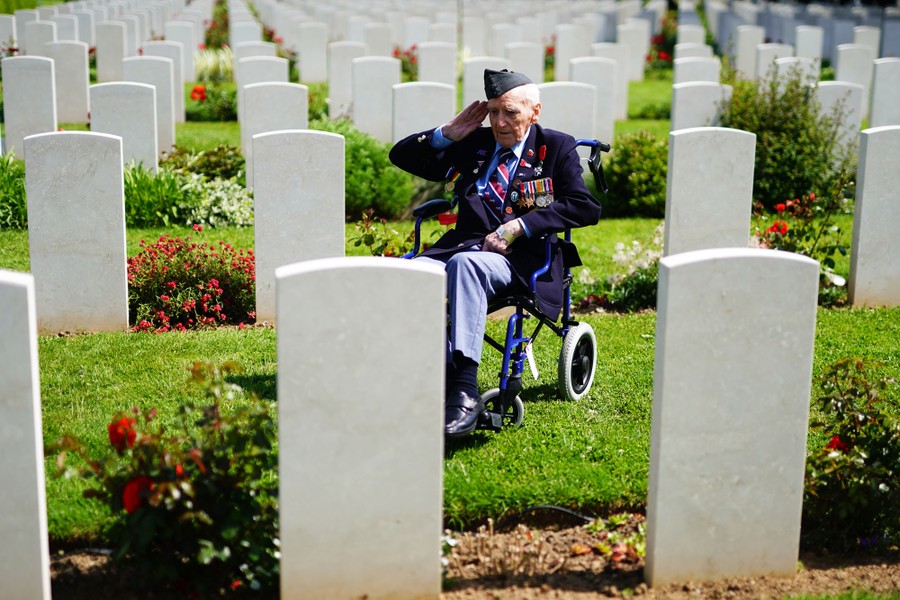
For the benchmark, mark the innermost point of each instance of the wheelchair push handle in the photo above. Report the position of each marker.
(594, 163)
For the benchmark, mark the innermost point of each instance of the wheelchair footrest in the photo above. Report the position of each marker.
(490, 420)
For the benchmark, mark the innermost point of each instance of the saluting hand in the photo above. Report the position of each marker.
(467, 121)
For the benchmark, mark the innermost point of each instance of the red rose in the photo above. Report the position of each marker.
(664, 56)
(134, 492)
(812, 196)
(780, 207)
(122, 433)
(837, 444)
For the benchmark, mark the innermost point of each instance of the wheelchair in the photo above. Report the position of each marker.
(578, 356)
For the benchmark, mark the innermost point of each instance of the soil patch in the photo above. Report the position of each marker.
(548, 562)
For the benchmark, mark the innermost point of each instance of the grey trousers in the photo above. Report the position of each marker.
(474, 278)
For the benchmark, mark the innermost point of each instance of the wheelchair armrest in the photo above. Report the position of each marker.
(432, 208)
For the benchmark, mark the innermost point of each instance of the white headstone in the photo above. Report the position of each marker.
(855, 64)
(748, 38)
(8, 30)
(807, 68)
(76, 230)
(355, 393)
(767, 54)
(709, 189)
(300, 180)
(846, 98)
(632, 38)
(128, 110)
(29, 99)
(698, 104)
(473, 36)
(132, 33)
(600, 73)
(437, 63)
(271, 106)
(158, 72)
(66, 28)
(415, 31)
(885, 93)
(616, 52)
(809, 41)
(86, 26)
(868, 36)
(23, 16)
(245, 31)
(690, 34)
(340, 93)
(373, 95)
(37, 35)
(71, 80)
(688, 50)
(527, 58)
(419, 105)
(502, 34)
(250, 49)
(570, 107)
(442, 32)
(111, 50)
(25, 552)
(378, 39)
(185, 33)
(874, 270)
(313, 50)
(696, 69)
(734, 346)
(173, 51)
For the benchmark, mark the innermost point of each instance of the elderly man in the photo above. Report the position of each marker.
(514, 183)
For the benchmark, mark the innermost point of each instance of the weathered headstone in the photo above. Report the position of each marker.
(355, 393)
(128, 110)
(158, 72)
(709, 189)
(885, 93)
(300, 180)
(271, 106)
(373, 95)
(29, 99)
(419, 105)
(71, 78)
(734, 346)
(698, 104)
(25, 552)
(76, 230)
(600, 73)
(111, 50)
(437, 63)
(874, 270)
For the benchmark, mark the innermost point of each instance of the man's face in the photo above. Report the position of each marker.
(511, 114)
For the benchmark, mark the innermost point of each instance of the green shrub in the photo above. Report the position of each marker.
(176, 284)
(654, 111)
(217, 35)
(636, 174)
(13, 204)
(371, 180)
(152, 200)
(798, 150)
(196, 503)
(318, 101)
(851, 497)
(223, 162)
(212, 102)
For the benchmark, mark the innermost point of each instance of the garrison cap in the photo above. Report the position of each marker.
(497, 83)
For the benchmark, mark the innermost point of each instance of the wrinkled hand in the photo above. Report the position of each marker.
(467, 121)
(495, 243)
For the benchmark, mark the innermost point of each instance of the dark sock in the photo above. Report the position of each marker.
(466, 375)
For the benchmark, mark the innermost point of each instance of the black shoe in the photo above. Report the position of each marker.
(461, 413)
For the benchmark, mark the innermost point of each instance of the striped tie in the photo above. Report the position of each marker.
(499, 182)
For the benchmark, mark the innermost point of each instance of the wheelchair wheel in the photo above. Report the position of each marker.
(577, 362)
(515, 411)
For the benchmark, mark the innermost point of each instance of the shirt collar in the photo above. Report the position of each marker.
(517, 149)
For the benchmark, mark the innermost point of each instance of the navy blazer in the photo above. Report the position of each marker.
(549, 158)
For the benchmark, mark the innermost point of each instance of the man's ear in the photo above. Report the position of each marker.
(537, 113)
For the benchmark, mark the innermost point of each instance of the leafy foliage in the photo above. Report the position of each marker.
(380, 238)
(176, 284)
(223, 162)
(152, 199)
(13, 204)
(217, 30)
(212, 102)
(196, 504)
(371, 180)
(851, 487)
(636, 174)
(798, 148)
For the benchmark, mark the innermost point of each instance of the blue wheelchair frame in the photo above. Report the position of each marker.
(504, 405)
